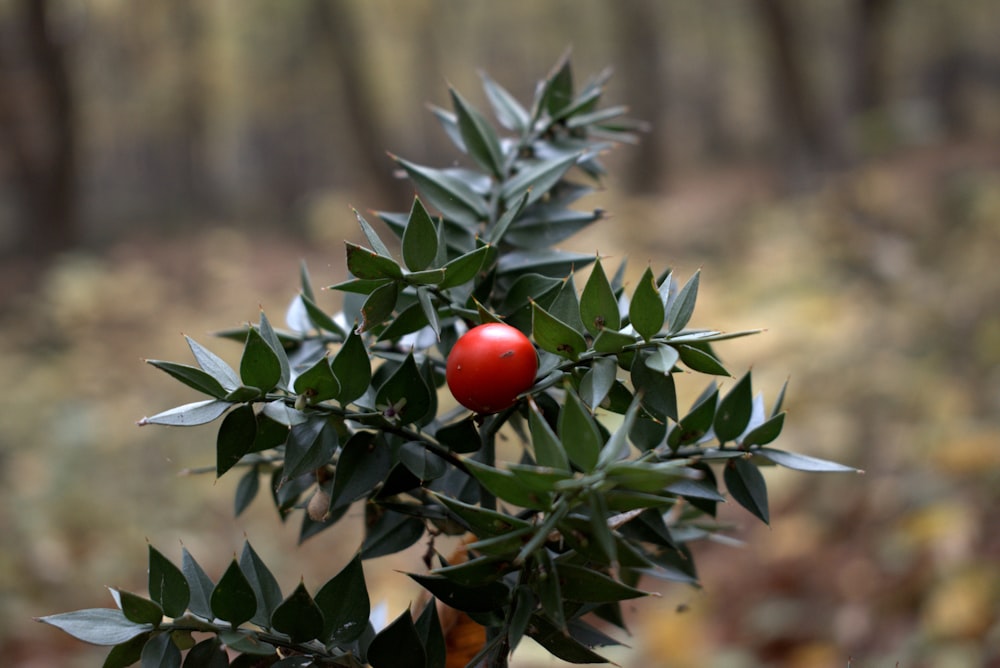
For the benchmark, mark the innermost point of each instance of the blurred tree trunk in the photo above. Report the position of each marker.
(338, 21)
(194, 178)
(796, 106)
(640, 30)
(38, 128)
(870, 23)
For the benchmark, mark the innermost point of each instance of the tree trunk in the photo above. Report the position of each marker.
(38, 126)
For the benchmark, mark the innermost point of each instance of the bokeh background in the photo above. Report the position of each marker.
(832, 166)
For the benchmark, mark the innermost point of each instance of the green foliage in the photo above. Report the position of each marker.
(613, 481)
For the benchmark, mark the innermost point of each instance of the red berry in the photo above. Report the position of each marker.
(489, 366)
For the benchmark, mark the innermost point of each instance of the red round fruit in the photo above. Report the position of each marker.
(489, 366)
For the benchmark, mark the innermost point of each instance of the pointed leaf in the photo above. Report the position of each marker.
(209, 653)
(764, 433)
(506, 108)
(556, 336)
(363, 463)
(598, 381)
(310, 445)
(734, 411)
(259, 366)
(98, 626)
(646, 312)
(352, 368)
(657, 389)
(319, 318)
(167, 585)
(128, 653)
(420, 242)
(580, 583)
(200, 584)
(388, 532)
(579, 433)
(372, 236)
(617, 447)
(428, 627)
(701, 361)
(467, 599)
(317, 383)
(298, 616)
(598, 305)
(213, 365)
(479, 137)
(464, 267)
(378, 307)
(138, 609)
(745, 482)
(800, 462)
(404, 397)
(683, 305)
(189, 415)
(236, 437)
(504, 485)
(344, 603)
(233, 599)
(274, 341)
(398, 646)
(367, 264)
(454, 198)
(549, 451)
(160, 652)
(192, 377)
(263, 583)
(537, 179)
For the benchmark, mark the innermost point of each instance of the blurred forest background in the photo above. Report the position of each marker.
(832, 165)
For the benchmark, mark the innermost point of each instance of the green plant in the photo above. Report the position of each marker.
(612, 480)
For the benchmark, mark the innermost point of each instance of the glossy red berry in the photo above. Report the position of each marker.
(489, 366)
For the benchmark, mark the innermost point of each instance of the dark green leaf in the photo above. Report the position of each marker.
(556, 91)
(479, 137)
(764, 433)
(98, 626)
(647, 476)
(263, 583)
(657, 389)
(483, 521)
(160, 652)
(467, 599)
(698, 421)
(734, 411)
(167, 585)
(398, 645)
(420, 242)
(372, 236)
(504, 485)
(192, 377)
(546, 582)
(138, 609)
(344, 603)
(364, 462)
(352, 368)
(209, 653)
(799, 462)
(465, 267)
(537, 179)
(421, 462)
(499, 231)
(298, 616)
(428, 627)
(259, 366)
(579, 433)
(506, 108)
(580, 583)
(319, 317)
(388, 532)
(745, 482)
(447, 193)
(598, 305)
(460, 437)
(701, 361)
(361, 286)
(310, 445)
(682, 306)
(544, 229)
(189, 415)
(612, 341)
(646, 311)
(617, 446)
(233, 599)
(404, 397)
(213, 364)
(127, 653)
(378, 307)
(549, 451)
(317, 382)
(368, 264)
(556, 336)
(235, 438)
(559, 643)
(554, 263)
(200, 584)
(274, 341)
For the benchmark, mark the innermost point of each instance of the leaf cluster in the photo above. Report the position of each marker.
(613, 480)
